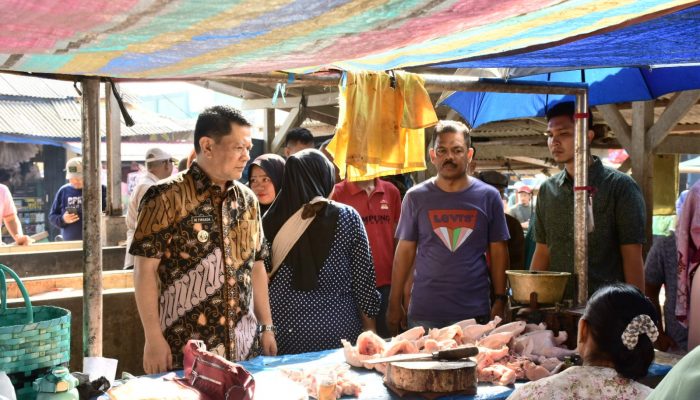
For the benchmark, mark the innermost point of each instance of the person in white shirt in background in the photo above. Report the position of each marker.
(159, 165)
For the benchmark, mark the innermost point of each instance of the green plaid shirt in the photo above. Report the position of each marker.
(618, 214)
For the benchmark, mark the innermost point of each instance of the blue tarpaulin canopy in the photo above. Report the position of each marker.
(606, 86)
(668, 40)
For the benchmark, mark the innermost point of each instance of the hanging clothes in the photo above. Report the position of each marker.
(381, 125)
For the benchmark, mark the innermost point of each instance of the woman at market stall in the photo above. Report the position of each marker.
(322, 282)
(615, 340)
(265, 178)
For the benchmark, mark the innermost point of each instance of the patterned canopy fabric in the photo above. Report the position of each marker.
(155, 39)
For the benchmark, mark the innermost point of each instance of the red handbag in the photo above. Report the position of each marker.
(213, 376)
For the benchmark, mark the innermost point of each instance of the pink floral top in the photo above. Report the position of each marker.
(583, 383)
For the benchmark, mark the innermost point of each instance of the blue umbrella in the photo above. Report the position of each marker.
(606, 86)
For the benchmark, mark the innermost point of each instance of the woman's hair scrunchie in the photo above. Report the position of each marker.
(640, 325)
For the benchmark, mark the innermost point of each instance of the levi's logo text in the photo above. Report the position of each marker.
(453, 227)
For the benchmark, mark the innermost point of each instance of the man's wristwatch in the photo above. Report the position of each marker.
(500, 297)
(267, 328)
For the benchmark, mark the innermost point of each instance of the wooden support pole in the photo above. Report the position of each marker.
(434, 82)
(295, 118)
(269, 128)
(615, 120)
(581, 157)
(92, 212)
(114, 153)
(642, 160)
(679, 106)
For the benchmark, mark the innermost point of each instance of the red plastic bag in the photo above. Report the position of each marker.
(214, 376)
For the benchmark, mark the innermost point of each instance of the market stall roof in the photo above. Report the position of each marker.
(190, 38)
(44, 111)
(665, 41)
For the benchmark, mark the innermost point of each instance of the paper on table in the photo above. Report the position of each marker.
(100, 366)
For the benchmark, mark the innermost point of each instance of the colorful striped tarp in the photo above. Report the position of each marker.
(149, 39)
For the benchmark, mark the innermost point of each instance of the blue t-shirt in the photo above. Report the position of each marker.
(68, 196)
(453, 231)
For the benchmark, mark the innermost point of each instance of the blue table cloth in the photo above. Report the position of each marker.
(266, 372)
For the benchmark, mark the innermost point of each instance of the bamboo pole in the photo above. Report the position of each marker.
(432, 82)
(114, 153)
(92, 210)
(581, 198)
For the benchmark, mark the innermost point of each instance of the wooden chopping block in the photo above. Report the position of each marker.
(432, 376)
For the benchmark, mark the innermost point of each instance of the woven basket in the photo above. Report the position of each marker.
(32, 339)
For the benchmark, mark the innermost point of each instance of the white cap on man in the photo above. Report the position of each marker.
(74, 168)
(156, 154)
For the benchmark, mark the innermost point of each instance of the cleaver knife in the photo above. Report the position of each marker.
(449, 355)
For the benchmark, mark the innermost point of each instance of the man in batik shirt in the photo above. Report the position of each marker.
(198, 247)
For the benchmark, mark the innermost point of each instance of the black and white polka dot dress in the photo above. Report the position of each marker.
(317, 320)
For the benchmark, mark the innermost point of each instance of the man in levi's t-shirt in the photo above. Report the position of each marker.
(447, 227)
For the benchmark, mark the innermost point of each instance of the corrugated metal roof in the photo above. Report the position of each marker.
(61, 119)
(28, 86)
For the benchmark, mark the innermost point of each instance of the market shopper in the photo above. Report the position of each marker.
(523, 210)
(661, 270)
(297, 140)
(615, 243)
(67, 208)
(159, 165)
(265, 178)
(448, 226)
(322, 282)
(516, 243)
(198, 250)
(8, 212)
(379, 204)
(615, 341)
(688, 289)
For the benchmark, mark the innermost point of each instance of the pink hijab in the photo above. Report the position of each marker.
(688, 242)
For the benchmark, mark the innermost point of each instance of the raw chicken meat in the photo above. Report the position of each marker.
(466, 323)
(534, 372)
(345, 384)
(430, 346)
(516, 327)
(447, 344)
(488, 356)
(542, 343)
(448, 332)
(401, 346)
(368, 343)
(495, 340)
(353, 356)
(551, 364)
(473, 332)
(497, 374)
(505, 352)
(412, 334)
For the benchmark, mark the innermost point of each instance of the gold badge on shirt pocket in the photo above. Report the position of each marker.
(203, 236)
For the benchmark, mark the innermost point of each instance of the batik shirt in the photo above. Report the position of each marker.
(207, 241)
(583, 383)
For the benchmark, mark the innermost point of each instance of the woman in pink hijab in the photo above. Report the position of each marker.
(688, 242)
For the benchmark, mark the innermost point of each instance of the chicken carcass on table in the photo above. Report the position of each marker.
(508, 352)
(472, 333)
(542, 343)
(345, 381)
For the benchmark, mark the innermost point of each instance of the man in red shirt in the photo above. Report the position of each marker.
(379, 204)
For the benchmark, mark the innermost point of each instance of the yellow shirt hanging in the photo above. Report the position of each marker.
(381, 128)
